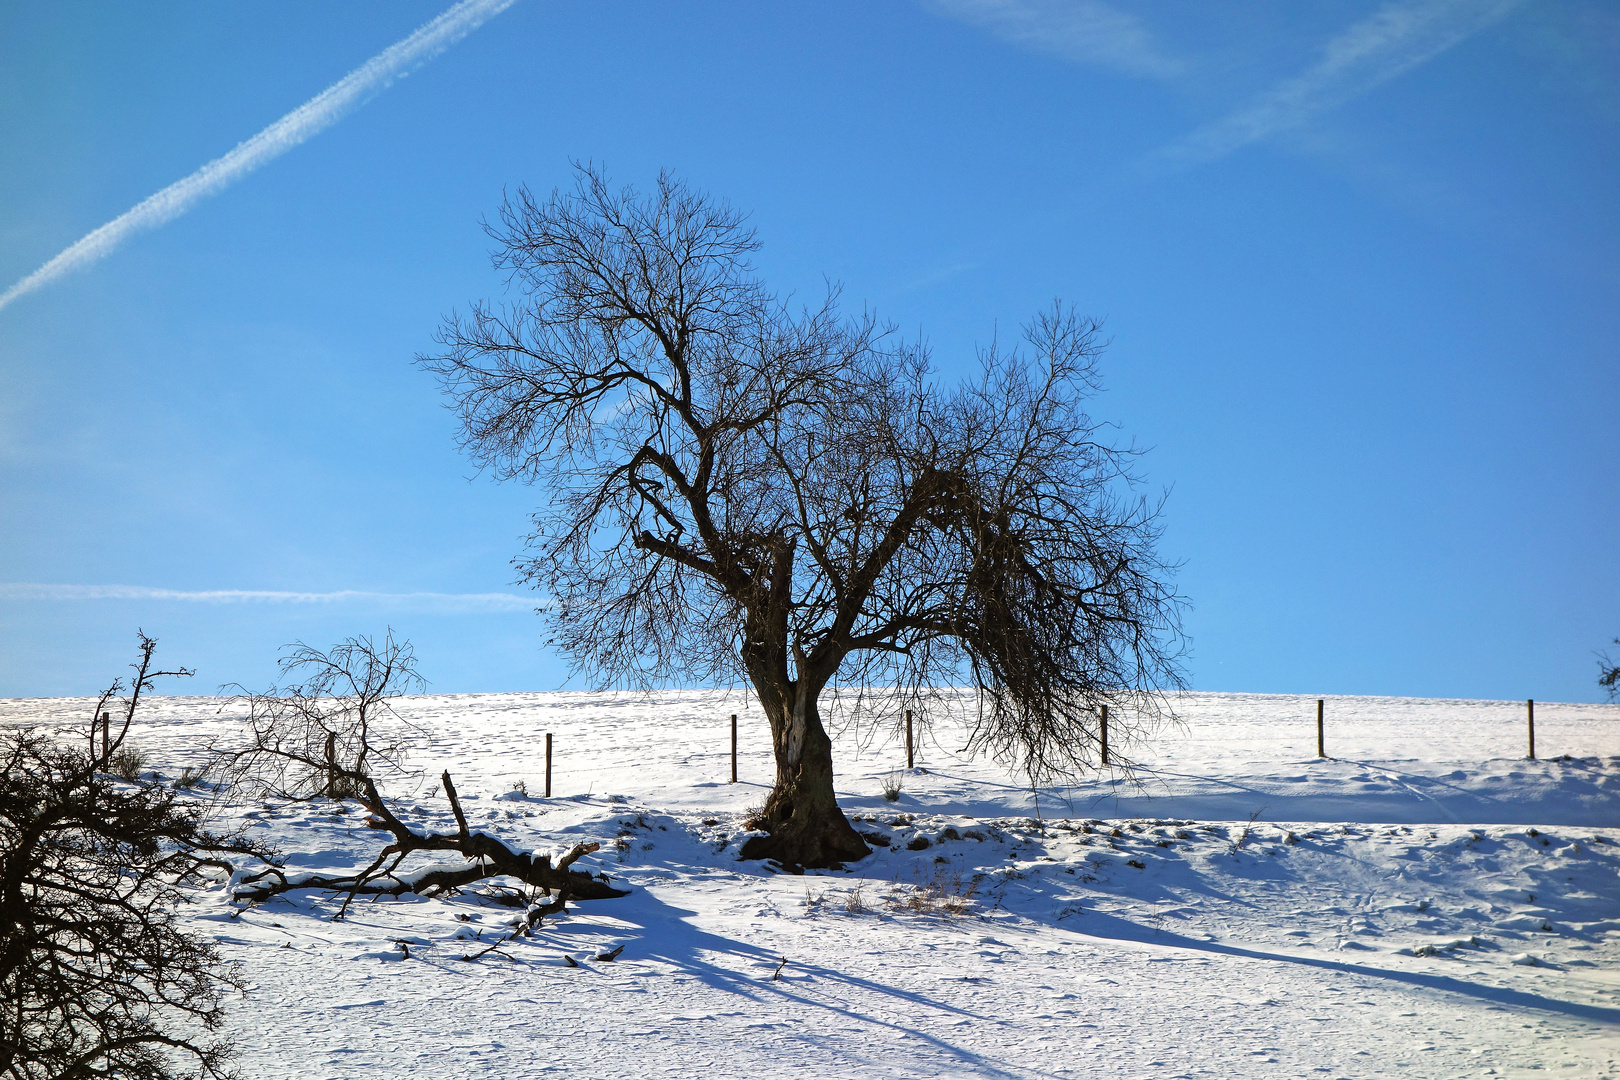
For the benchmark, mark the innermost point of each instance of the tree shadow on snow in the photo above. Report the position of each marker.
(1104, 927)
(655, 931)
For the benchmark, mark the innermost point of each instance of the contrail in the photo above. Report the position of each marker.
(1085, 31)
(1383, 46)
(309, 119)
(457, 601)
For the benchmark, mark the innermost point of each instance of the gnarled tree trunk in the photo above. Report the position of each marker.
(807, 829)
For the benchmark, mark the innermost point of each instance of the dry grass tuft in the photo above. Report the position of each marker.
(944, 890)
(127, 763)
(892, 785)
(190, 777)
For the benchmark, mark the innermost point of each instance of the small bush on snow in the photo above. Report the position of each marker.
(127, 763)
(892, 785)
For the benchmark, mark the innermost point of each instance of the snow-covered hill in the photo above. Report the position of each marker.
(1425, 903)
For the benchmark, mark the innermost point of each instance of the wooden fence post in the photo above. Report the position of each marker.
(911, 758)
(1530, 717)
(548, 764)
(1105, 734)
(733, 748)
(331, 764)
(1321, 749)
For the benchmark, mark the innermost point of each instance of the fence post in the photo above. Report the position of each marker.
(1321, 749)
(1105, 734)
(911, 758)
(733, 748)
(548, 764)
(1530, 716)
(331, 764)
(106, 735)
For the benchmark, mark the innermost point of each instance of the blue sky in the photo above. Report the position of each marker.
(1358, 264)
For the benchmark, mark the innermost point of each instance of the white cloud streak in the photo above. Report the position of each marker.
(434, 600)
(1387, 44)
(308, 120)
(1086, 31)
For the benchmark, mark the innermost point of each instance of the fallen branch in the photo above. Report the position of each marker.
(336, 732)
(487, 857)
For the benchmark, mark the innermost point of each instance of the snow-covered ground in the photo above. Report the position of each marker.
(1424, 903)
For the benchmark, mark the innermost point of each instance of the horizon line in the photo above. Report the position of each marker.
(42, 591)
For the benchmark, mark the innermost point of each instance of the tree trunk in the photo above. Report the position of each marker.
(807, 829)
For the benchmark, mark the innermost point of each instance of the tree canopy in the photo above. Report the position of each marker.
(736, 488)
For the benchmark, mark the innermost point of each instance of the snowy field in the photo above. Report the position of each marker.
(1424, 903)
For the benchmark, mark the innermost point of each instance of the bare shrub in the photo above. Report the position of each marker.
(98, 975)
(331, 727)
(892, 785)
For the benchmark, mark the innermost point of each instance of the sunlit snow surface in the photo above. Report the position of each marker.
(1389, 911)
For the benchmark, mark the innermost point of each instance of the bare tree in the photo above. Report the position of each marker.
(331, 730)
(332, 725)
(97, 976)
(1609, 674)
(738, 489)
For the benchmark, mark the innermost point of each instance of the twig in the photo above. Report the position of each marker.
(492, 948)
(1243, 838)
(365, 875)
